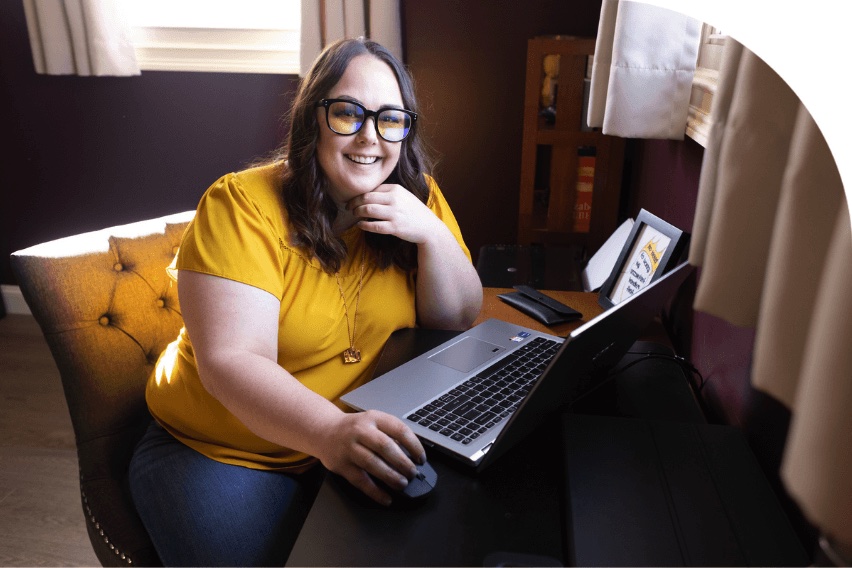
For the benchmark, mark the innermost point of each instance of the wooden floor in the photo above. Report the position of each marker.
(41, 521)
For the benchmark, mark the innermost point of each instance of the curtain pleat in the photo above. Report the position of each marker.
(601, 64)
(386, 25)
(642, 70)
(817, 466)
(80, 37)
(755, 149)
(811, 195)
(312, 36)
(326, 21)
(709, 166)
(772, 234)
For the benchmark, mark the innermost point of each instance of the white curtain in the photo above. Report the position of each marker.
(325, 21)
(79, 37)
(642, 70)
(772, 234)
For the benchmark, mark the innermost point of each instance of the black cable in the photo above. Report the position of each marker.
(681, 361)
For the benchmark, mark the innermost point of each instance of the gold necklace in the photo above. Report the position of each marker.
(352, 355)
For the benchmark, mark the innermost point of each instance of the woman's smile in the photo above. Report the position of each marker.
(367, 160)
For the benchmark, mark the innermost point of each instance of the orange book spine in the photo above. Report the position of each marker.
(584, 191)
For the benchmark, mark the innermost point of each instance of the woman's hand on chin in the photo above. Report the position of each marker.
(390, 209)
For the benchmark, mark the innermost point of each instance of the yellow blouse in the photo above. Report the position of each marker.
(240, 232)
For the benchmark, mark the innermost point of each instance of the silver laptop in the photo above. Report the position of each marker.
(480, 393)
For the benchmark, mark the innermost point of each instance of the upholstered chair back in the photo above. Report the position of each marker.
(107, 309)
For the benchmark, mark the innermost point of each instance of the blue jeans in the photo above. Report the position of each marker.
(200, 512)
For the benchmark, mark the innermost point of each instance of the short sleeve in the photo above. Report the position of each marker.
(438, 204)
(233, 237)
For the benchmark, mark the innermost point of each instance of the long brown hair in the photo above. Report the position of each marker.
(310, 209)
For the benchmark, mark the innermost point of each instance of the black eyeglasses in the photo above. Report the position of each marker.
(346, 117)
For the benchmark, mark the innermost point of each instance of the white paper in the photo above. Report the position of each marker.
(601, 264)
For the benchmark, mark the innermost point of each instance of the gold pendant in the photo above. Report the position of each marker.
(352, 355)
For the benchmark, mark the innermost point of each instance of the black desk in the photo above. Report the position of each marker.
(510, 514)
(510, 509)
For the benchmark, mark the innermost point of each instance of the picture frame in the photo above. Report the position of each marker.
(652, 247)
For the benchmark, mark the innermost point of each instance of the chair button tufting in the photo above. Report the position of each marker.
(103, 320)
(118, 267)
(161, 303)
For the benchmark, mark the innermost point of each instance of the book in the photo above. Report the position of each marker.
(582, 218)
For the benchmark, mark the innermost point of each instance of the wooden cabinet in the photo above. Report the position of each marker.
(558, 148)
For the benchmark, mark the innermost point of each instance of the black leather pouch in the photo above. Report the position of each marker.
(539, 306)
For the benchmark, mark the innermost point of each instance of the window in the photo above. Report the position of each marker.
(245, 36)
(704, 84)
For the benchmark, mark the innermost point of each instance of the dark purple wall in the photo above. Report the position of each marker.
(84, 153)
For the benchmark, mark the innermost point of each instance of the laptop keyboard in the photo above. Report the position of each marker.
(478, 404)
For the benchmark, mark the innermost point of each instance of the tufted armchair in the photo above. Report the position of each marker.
(107, 309)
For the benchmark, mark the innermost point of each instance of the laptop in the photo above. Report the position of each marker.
(477, 395)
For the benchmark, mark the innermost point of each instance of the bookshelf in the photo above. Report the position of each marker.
(561, 158)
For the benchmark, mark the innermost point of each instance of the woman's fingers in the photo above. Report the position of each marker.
(374, 446)
(392, 210)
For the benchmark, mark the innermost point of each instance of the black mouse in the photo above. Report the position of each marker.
(420, 485)
(418, 489)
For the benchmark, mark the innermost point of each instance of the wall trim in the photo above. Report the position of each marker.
(13, 299)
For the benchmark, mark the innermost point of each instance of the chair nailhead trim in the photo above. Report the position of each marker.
(97, 526)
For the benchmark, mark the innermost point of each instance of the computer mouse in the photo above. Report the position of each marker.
(419, 486)
(418, 489)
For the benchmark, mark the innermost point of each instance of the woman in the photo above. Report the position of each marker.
(291, 277)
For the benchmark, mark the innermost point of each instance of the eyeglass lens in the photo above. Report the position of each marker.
(348, 118)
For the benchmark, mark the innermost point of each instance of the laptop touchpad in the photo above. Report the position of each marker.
(467, 354)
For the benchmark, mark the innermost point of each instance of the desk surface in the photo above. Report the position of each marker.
(584, 302)
(510, 514)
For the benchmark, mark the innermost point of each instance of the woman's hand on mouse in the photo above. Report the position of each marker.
(390, 209)
(371, 444)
